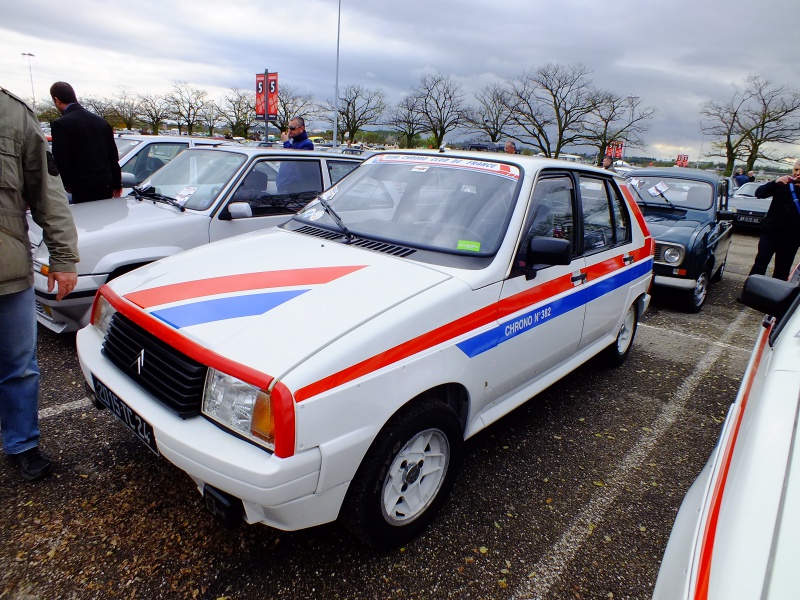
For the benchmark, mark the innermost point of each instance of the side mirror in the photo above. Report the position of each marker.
(768, 295)
(129, 180)
(544, 252)
(240, 210)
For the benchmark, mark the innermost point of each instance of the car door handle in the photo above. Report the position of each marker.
(627, 259)
(578, 278)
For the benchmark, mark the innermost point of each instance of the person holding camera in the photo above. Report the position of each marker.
(780, 232)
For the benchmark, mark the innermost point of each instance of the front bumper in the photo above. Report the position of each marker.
(74, 311)
(669, 281)
(282, 493)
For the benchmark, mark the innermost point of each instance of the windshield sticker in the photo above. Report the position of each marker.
(420, 168)
(468, 245)
(312, 213)
(186, 193)
(494, 168)
(329, 194)
(658, 189)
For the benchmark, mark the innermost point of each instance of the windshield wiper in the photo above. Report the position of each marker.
(335, 216)
(151, 194)
(660, 193)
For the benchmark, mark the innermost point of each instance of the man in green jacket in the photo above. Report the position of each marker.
(28, 180)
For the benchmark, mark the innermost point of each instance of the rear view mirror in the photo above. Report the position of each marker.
(544, 252)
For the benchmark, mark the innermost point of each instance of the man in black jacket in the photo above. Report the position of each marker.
(84, 149)
(780, 232)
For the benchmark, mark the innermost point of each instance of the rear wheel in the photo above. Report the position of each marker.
(617, 352)
(406, 475)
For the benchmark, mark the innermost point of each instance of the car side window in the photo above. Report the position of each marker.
(339, 168)
(552, 212)
(598, 224)
(151, 158)
(622, 223)
(274, 187)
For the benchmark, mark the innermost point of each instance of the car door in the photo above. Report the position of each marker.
(607, 246)
(540, 318)
(274, 188)
(722, 234)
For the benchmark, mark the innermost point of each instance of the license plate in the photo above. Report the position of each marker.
(750, 219)
(141, 428)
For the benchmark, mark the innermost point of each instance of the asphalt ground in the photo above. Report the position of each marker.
(571, 496)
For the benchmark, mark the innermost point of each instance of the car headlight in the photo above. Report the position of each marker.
(239, 406)
(673, 255)
(101, 314)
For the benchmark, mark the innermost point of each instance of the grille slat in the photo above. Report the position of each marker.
(170, 376)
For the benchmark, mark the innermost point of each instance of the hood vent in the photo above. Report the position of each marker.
(384, 247)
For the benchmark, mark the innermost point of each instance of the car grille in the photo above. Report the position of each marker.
(170, 376)
(393, 249)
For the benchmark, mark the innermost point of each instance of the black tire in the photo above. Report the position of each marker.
(378, 512)
(720, 272)
(616, 353)
(695, 298)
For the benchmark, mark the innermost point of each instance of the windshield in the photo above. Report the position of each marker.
(196, 176)
(428, 201)
(748, 189)
(672, 191)
(125, 145)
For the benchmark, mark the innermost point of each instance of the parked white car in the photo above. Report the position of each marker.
(202, 195)
(737, 533)
(332, 367)
(142, 155)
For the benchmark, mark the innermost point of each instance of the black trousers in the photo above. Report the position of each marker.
(783, 246)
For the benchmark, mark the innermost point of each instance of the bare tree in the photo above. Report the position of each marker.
(548, 106)
(239, 111)
(441, 105)
(126, 106)
(406, 118)
(210, 116)
(770, 117)
(614, 118)
(491, 116)
(293, 104)
(721, 121)
(358, 106)
(186, 104)
(101, 107)
(153, 111)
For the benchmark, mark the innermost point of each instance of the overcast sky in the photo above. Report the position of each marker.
(674, 55)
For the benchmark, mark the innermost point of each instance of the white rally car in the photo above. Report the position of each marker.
(333, 367)
(737, 533)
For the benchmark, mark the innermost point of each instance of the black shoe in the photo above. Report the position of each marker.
(32, 464)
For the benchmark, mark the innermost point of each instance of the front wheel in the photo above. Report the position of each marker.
(617, 352)
(406, 475)
(697, 297)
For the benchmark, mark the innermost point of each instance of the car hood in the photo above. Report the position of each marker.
(665, 226)
(749, 203)
(274, 297)
(110, 216)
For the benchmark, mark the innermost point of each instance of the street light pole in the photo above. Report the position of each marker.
(30, 72)
(336, 93)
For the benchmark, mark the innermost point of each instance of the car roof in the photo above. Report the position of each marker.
(681, 173)
(262, 150)
(175, 138)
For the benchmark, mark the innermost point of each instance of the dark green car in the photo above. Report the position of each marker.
(686, 212)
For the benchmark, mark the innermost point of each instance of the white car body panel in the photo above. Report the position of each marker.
(737, 534)
(354, 334)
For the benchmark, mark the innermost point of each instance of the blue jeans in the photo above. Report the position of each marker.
(19, 372)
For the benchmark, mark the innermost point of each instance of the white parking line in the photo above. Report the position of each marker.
(696, 338)
(548, 570)
(54, 411)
